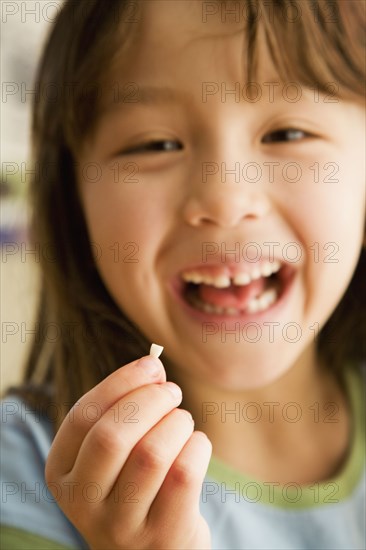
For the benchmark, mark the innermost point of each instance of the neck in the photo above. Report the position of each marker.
(284, 417)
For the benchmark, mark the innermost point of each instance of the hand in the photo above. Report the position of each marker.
(126, 466)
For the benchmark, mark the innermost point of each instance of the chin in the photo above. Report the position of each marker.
(250, 371)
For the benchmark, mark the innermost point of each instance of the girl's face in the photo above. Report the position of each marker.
(201, 177)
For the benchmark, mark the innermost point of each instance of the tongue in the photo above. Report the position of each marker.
(233, 296)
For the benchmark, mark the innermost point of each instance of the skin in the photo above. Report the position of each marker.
(128, 508)
(169, 212)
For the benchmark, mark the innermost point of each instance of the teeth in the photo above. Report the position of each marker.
(223, 281)
(253, 306)
(208, 308)
(256, 273)
(276, 266)
(240, 279)
(263, 302)
(266, 269)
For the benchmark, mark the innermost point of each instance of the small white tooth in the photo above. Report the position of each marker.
(266, 269)
(272, 295)
(197, 279)
(252, 306)
(242, 279)
(264, 302)
(187, 277)
(223, 281)
(232, 311)
(267, 299)
(256, 273)
(207, 280)
(260, 307)
(208, 308)
(276, 266)
(219, 310)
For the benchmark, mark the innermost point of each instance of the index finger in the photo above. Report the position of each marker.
(92, 405)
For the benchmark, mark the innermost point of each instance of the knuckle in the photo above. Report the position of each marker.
(183, 474)
(149, 456)
(108, 439)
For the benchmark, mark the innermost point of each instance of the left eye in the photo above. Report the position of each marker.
(162, 145)
(286, 134)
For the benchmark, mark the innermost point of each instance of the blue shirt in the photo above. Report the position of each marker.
(242, 513)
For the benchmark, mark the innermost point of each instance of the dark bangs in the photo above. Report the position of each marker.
(318, 44)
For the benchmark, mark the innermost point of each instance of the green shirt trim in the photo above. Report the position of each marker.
(17, 539)
(293, 495)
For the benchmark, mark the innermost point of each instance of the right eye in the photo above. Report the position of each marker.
(158, 146)
(285, 134)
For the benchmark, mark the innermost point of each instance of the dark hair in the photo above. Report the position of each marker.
(326, 44)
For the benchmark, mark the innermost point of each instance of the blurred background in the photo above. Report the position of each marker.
(25, 25)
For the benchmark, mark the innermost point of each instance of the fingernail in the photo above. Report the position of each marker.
(150, 365)
(174, 389)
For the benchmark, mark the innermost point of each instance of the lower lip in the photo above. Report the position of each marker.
(261, 316)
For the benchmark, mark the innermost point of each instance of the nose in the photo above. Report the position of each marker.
(225, 200)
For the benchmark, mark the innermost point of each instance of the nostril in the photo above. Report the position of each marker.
(250, 217)
(207, 221)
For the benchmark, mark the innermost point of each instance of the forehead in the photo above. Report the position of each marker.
(182, 21)
(167, 28)
(178, 43)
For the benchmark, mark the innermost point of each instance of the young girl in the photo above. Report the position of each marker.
(201, 185)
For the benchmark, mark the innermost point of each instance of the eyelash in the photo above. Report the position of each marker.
(283, 131)
(150, 146)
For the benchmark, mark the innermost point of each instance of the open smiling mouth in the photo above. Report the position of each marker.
(244, 293)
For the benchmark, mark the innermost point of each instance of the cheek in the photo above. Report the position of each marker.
(127, 225)
(328, 220)
(327, 209)
(118, 215)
